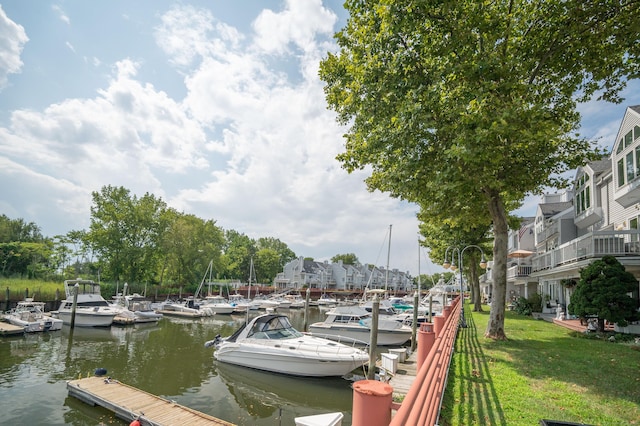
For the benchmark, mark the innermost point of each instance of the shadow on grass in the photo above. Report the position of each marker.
(473, 398)
(540, 350)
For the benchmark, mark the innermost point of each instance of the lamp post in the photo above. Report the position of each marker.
(452, 265)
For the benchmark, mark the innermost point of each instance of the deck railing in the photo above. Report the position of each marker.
(595, 244)
(421, 405)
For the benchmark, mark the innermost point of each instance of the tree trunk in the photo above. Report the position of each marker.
(476, 299)
(495, 327)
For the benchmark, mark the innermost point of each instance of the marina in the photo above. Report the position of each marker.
(167, 359)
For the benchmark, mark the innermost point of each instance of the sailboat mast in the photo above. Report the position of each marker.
(386, 278)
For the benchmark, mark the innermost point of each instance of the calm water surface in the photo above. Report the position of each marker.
(168, 359)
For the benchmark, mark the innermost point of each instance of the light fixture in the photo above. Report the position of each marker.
(446, 264)
(483, 262)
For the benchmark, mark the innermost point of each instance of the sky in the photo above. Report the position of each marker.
(214, 106)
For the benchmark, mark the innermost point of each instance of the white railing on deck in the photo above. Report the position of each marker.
(594, 245)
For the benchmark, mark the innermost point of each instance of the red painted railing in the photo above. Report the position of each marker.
(421, 405)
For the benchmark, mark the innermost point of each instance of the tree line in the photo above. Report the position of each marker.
(138, 240)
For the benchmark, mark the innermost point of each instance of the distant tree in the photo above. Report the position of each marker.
(188, 245)
(603, 290)
(347, 258)
(285, 254)
(267, 265)
(126, 232)
(237, 253)
(13, 230)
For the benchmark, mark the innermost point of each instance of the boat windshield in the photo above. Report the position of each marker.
(276, 327)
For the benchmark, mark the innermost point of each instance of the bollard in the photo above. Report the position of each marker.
(426, 339)
(438, 324)
(446, 311)
(371, 403)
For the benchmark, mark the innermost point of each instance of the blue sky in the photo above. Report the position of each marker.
(215, 106)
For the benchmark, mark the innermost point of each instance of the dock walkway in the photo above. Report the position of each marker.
(129, 403)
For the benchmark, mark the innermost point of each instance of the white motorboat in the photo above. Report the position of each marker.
(141, 308)
(354, 322)
(30, 315)
(326, 301)
(297, 301)
(269, 342)
(188, 309)
(92, 310)
(217, 304)
(240, 304)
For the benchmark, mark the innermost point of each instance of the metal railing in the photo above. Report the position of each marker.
(421, 405)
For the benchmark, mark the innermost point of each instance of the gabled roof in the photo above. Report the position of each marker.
(635, 108)
(600, 166)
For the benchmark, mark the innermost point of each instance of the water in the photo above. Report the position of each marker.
(168, 359)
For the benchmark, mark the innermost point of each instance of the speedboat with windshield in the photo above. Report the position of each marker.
(91, 310)
(269, 342)
(354, 322)
(30, 315)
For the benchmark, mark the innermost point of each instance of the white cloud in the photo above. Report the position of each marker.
(12, 40)
(61, 14)
(298, 24)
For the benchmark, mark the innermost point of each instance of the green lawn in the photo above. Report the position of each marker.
(541, 372)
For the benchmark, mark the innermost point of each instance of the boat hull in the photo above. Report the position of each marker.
(88, 317)
(287, 361)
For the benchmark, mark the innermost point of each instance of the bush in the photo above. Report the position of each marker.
(535, 301)
(523, 306)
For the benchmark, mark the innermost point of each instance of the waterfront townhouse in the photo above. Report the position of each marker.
(305, 273)
(603, 218)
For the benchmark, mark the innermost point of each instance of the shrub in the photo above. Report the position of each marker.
(535, 301)
(523, 306)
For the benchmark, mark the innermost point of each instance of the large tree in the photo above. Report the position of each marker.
(466, 105)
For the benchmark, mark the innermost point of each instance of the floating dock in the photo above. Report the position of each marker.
(129, 403)
(7, 329)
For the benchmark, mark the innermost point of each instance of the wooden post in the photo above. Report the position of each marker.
(373, 339)
(414, 327)
(307, 297)
(76, 288)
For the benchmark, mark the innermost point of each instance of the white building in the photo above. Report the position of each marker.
(598, 216)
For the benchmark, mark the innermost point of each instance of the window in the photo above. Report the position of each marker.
(636, 132)
(583, 194)
(620, 172)
(633, 225)
(628, 139)
(630, 168)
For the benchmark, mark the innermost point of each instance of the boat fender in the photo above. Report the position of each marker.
(100, 372)
(136, 422)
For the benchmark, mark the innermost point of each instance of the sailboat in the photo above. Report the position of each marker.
(214, 302)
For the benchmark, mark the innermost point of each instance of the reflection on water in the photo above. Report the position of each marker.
(167, 359)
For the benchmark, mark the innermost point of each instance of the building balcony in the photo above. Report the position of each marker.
(588, 217)
(549, 231)
(628, 194)
(593, 245)
(518, 271)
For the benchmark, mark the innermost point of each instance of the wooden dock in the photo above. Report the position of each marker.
(129, 403)
(405, 375)
(7, 329)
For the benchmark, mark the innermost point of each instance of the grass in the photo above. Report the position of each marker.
(543, 371)
(39, 290)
